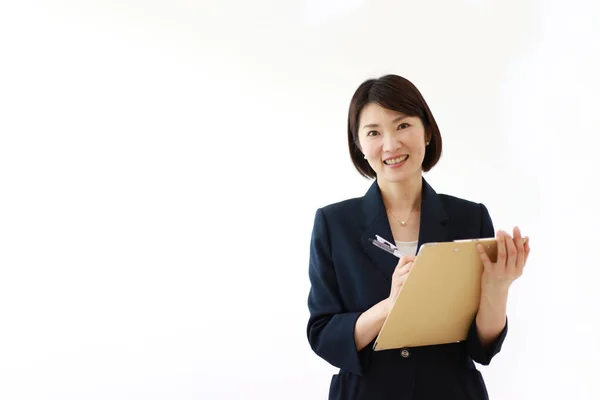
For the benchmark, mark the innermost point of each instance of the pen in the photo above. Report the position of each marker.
(386, 246)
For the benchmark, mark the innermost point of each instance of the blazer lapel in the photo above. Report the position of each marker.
(432, 225)
(377, 223)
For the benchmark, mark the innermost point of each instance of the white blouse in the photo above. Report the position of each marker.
(407, 248)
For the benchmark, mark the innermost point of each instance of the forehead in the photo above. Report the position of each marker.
(373, 113)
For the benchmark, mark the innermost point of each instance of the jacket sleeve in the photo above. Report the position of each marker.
(330, 327)
(475, 348)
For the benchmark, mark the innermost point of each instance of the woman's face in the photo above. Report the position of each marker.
(393, 143)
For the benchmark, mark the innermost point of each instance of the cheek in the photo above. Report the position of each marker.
(371, 150)
(418, 145)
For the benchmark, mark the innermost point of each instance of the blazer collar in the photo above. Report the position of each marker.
(432, 224)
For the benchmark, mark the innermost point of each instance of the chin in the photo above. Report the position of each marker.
(399, 176)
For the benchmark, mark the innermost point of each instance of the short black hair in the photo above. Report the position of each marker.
(394, 93)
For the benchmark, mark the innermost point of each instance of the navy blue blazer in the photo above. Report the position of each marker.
(348, 275)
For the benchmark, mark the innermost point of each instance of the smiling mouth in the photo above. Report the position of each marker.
(397, 160)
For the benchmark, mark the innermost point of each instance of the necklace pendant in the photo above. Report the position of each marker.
(403, 223)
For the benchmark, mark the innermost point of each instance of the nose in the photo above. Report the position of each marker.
(390, 142)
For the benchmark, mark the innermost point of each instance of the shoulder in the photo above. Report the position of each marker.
(341, 207)
(457, 205)
(467, 215)
(339, 215)
(449, 206)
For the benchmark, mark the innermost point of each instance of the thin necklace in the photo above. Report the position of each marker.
(403, 223)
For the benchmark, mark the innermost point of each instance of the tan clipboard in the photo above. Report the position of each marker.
(440, 296)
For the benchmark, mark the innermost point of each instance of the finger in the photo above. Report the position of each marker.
(485, 259)
(526, 248)
(404, 276)
(501, 259)
(404, 270)
(404, 260)
(511, 250)
(520, 262)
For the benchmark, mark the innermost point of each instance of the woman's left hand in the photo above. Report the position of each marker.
(511, 259)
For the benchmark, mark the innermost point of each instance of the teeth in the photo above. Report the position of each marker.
(393, 161)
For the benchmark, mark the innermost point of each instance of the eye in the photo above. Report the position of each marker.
(372, 133)
(404, 124)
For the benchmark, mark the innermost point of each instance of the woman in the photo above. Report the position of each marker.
(393, 138)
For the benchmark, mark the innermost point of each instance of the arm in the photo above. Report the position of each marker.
(491, 317)
(369, 323)
(490, 326)
(330, 327)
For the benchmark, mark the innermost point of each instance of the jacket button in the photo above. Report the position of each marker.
(405, 353)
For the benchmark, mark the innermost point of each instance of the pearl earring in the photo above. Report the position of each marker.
(427, 143)
(365, 157)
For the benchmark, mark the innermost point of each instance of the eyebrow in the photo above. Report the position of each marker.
(401, 117)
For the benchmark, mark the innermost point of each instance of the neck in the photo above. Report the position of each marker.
(403, 196)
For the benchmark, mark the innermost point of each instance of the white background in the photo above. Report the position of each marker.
(134, 135)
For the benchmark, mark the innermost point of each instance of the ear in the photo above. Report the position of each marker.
(428, 137)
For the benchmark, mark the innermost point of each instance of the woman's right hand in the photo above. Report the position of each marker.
(398, 278)
(369, 323)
